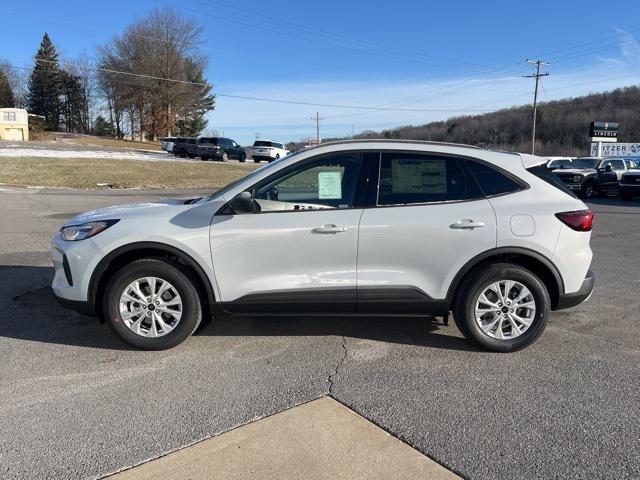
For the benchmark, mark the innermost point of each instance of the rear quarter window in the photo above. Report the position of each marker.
(491, 181)
(544, 174)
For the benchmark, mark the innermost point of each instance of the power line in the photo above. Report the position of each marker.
(537, 75)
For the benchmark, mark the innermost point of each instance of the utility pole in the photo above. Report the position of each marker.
(317, 120)
(353, 129)
(537, 75)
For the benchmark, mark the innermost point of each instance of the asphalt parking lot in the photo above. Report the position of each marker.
(76, 402)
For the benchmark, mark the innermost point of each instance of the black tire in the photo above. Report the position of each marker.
(277, 156)
(191, 155)
(150, 267)
(588, 190)
(243, 157)
(474, 284)
(224, 157)
(182, 154)
(626, 198)
(256, 160)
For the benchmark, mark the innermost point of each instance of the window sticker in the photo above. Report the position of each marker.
(330, 185)
(418, 176)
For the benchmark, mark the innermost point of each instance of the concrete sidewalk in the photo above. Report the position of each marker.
(321, 439)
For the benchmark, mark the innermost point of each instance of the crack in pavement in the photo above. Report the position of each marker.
(330, 382)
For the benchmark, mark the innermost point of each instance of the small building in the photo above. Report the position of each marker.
(14, 124)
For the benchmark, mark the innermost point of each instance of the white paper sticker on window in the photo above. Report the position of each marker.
(330, 185)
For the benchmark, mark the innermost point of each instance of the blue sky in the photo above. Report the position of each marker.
(456, 57)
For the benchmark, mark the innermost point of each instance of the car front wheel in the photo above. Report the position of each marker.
(502, 308)
(152, 304)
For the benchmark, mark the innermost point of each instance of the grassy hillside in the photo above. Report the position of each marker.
(562, 127)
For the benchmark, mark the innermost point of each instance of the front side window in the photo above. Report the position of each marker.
(618, 164)
(408, 178)
(491, 181)
(329, 183)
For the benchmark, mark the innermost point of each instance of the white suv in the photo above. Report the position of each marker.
(358, 227)
(268, 150)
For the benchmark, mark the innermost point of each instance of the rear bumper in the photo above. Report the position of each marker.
(568, 300)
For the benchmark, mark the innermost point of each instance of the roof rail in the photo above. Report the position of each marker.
(390, 140)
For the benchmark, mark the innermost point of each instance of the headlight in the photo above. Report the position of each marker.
(577, 178)
(85, 230)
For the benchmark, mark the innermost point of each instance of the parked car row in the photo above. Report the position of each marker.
(222, 149)
(593, 176)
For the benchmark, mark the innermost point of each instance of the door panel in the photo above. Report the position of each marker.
(422, 246)
(297, 251)
(278, 258)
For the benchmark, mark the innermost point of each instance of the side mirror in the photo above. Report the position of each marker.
(242, 203)
(608, 168)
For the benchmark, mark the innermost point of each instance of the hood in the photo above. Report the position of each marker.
(575, 171)
(168, 207)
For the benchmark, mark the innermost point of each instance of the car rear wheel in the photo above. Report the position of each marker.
(502, 308)
(225, 157)
(626, 198)
(256, 160)
(152, 305)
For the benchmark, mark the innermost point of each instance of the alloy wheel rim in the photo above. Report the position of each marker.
(150, 307)
(505, 309)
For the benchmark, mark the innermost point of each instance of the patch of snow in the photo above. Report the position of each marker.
(14, 151)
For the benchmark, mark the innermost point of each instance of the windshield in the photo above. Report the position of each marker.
(585, 163)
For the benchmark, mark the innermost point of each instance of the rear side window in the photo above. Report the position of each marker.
(407, 178)
(549, 177)
(491, 181)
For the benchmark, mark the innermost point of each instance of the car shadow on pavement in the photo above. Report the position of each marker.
(423, 331)
(31, 312)
(614, 202)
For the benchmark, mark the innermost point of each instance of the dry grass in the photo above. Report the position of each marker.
(104, 141)
(87, 173)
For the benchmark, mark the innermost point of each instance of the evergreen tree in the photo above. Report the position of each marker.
(202, 101)
(7, 99)
(44, 85)
(73, 102)
(102, 128)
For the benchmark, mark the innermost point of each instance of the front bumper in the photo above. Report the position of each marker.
(568, 300)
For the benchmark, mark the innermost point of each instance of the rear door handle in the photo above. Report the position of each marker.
(466, 224)
(328, 229)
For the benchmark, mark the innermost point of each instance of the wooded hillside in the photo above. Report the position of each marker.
(562, 127)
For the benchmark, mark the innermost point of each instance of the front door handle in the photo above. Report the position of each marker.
(328, 229)
(466, 224)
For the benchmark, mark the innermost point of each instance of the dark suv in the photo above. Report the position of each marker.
(591, 176)
(219, 148)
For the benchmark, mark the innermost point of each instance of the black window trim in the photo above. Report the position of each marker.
(367, 194)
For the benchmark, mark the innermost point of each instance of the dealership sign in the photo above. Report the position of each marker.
(615, 149)
(604, 131)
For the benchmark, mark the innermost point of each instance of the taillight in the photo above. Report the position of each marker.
(581, 221)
